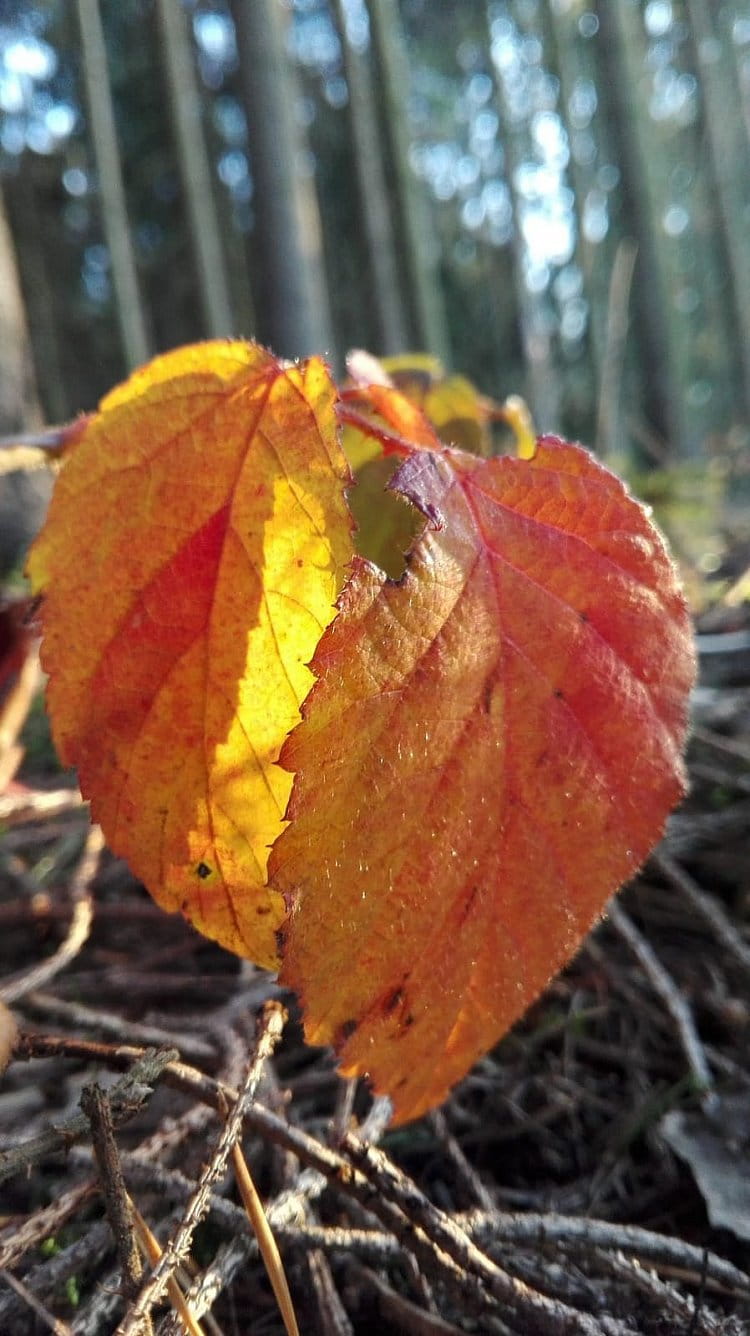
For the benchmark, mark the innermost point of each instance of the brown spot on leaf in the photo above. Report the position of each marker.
(468, 905)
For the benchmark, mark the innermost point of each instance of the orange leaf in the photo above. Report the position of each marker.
(194, 549)
(491, 748)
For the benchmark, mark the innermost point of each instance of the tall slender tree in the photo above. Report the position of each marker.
(415, 237)
(130, 311)
(195, 169)
(621, 70)
(292, 309)
(374, 201)
(542, 381)
(19, 402)
(728, 156)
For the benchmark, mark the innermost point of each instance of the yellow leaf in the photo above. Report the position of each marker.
(195, 547)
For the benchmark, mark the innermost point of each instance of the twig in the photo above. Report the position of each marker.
(332, 1316)
(720, 743)
(707, 906)
(52, 1324)
(581, 1233)
(13, 713)
(467, 1173)
(79, 1259)
(394, 1308)
(113, 1026)
(80, 924)
(547, 1315)
(98, 1110)
(179, 1245)
(19, 808)
(664, 987)
(664, 1298)
(218, 1275)
(45, 1222)
(127, 1096)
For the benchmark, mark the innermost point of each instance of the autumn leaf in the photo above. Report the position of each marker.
(491, 748)
(196, 543)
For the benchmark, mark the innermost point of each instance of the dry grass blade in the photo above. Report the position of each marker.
(266, 1241)
(670, 996)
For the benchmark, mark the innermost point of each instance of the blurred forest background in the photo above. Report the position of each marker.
(554, 198)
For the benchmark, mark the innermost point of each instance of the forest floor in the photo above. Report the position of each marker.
(591, 1175)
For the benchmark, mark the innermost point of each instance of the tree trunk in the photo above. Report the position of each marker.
(637, 159)
(23, 493)
(374, 202)
(726, 149)
(416, 240)
(130, 313)
(195, 169)
(542, 387)
(19, 404)
(291, 299)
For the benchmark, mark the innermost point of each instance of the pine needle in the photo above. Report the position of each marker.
(153, 1251)
(266, 1241)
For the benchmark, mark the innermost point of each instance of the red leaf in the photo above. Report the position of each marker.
(491, 748)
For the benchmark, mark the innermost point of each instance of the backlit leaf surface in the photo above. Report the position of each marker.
(491, 749)
(195, 546)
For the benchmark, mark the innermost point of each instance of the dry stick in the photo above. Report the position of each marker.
(664, 987)
(80, 924)
(52, 1323)
(98, 1110)
(127, 1097)
(580, 1234)
(177, 1248)
(45, 1222)
(101, 1311)
(466, 1171)
(665, 1299)
(79, 1259)
(117, 1027)
(548, 1315)
(492, 1230)
(217, 1276)
(17, 809)
(332, 1317)
(571, 1231)
(729, 746)
(405, 1316)
(13, 715)
(707, 906)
